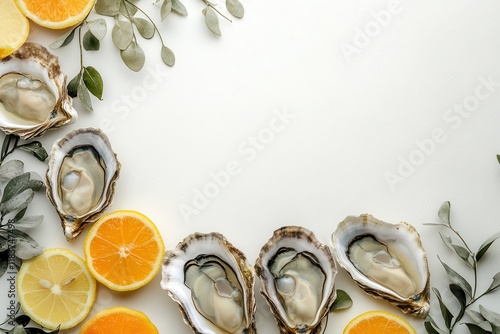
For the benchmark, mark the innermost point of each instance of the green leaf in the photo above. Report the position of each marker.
(29, 221)
(167, 56)
(431, 326)
(179, 8)
(98, 28)
(25, 251)
(343, 301)
(463, 253)
(486, 245)
(435, 224)
(11, 169)
(36, 149)
(93, 81)
(211, 20)
(166, 8)
(127, 9)
(475, 329)
(19, 329)
(15, 186)
(447, 240)
(4, 242)
(144, 27)
(122, 34)
(457, 279)
(462, 299)
(18, 202)
(133, 57)
(107, 7)
(445, 312)
(73, 86)
(4, 262)
(22, 320)
(90, 42)
(235, 8)
(64, 39)
(84, 97)
(475, 316)
(444, 212)
(492, 317)
(495, 284)
(498, 158)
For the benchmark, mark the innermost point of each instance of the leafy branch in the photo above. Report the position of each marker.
(484, 321)
(20, 322)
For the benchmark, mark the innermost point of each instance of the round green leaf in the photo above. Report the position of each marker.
(166, 8)
(98, 28)
(211, 20)
(133, 56)
(93, 81)
(145, 27)
(235, 8)
(179, 8)
(122, 34)
(84, 97)
(90, 42)
(167, 56)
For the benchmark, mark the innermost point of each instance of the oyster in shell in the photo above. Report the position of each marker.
(212, 282)
(298, 279)
(386, 260)
(81, 177)
(33, 94)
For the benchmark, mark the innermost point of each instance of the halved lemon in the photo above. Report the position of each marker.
(56, 289)
(124, 250)
(119, 320)
(56, 14)
(14, 28)
(378, 322)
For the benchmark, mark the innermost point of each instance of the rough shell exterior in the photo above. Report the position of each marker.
(173, 277)
(407, 237)
(73, 226)
(300, 239)
(33, 58)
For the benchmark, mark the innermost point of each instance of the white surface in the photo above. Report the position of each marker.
(352, 121)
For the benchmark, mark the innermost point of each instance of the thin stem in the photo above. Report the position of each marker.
(147, 16)
(209, 4)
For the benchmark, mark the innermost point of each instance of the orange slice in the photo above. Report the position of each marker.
(55, 288)
(56, 14)
(14, 27)
(119, 320)
(378, 322)
(124, 250)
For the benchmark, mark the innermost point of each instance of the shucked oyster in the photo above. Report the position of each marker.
(33, 94)
(297, 274)
(212, 282)
(81, 177)
(386, 260)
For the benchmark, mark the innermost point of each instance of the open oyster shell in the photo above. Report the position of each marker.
(81, 178)
(33, 94)
(386, 260)
(213, 283)
(298, 279)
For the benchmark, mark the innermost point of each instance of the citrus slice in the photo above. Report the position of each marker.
(378, 322)
(119, 320)
(14, 26)
(56, 14)
(55, 288)
(124, 250)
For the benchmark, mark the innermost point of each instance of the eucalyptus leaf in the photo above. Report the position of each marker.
(64, 39)
(492, 317)
(73, 85)
(90, 42)
(462, 299)
(15, 186)
(486, 245)
(19, 329)
(475, 329)
(18, 202)
(4, 263)
(98, 28)
(463, 253)
(20, 236)
(457, 279)
(145, 27)
(122, 34)
(435, 224)
(444, 212)
(475, 316)
(166, 9)
(20, 215)
(93, 81)
(133, 56)
(445, 312)
(36, 149)
(107, 7)
(127, 9)
(495, 284)
(498, 158)
(29, 221)
(167, 56)
(447, 240)
(179, 8)
(22, 320)
(11, 169)
(235, 8)
(211, 20)
(25, 251)
(343, 301)
(4, 243)
(431, 326)
(84, 97)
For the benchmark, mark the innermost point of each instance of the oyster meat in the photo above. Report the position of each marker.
(213, 284)
(298, 279)
(386, 260)
(33, 94)
(81, 177)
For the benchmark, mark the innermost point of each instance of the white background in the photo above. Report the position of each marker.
(354, 120)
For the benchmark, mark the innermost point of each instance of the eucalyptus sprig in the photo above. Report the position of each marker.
(483, 322)
(210, 12)
(19, 323)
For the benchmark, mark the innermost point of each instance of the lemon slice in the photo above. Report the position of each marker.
(56, 289)
(14, 28)
(378, 322)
